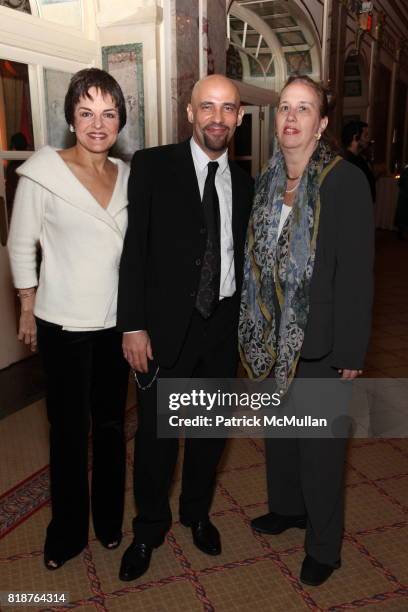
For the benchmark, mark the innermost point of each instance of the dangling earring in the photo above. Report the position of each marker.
(318, 136)
(71, 128)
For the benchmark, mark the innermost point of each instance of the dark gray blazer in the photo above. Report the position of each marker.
(341, 290)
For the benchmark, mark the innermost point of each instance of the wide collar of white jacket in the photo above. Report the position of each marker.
(47, 168)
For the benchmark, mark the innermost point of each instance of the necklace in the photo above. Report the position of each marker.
(292, 178)
(293, 188)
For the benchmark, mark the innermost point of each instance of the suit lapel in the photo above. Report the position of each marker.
(240, 212)
(187, 189)
(188, 195)
(237, 207)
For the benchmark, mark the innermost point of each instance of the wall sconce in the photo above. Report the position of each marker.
(363, 14)
(364, 17)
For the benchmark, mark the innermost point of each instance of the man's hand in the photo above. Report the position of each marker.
(137, 349)
(350, 374)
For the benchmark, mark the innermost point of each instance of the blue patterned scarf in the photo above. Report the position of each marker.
(278, 272)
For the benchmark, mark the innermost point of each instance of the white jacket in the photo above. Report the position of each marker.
(81, 242)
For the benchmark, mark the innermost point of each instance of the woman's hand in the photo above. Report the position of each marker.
(350, 374)
(27, 330)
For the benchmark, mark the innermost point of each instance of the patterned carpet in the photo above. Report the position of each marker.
(253, 571)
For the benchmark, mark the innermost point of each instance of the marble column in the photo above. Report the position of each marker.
(336, 70)
(405, 145)
(194, 48)
(186, 39)
(215, 27)
(326, 33)
(391, 112)
(372, 84)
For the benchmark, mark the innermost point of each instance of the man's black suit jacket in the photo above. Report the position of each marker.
(165, 243)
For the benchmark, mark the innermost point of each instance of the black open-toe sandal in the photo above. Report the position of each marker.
(53, 563)
(111, 543)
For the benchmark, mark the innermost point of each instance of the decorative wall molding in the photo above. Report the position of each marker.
(24, 31)
(56, 84)
(143, 15)
(125, 63)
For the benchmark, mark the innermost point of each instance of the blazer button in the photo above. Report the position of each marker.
(198, 262)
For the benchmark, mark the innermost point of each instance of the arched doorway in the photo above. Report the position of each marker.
(268, 40)
(355, 88)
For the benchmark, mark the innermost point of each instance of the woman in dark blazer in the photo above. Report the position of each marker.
(306, 309)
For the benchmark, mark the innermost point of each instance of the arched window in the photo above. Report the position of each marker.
(18, 5)
(268, 41)
(355, 88)
(65, 12)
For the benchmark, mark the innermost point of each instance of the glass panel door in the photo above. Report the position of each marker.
(16, 145)
(251, 146)
(245, 148)
(16, 126)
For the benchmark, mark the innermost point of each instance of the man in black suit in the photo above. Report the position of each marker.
(355, 141)
(179, 291)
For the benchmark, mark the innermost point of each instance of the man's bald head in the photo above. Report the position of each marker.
(215, 111)
(218, 81)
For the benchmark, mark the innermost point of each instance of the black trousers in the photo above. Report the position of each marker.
(86, 388)
(306, 476)
(209, 351)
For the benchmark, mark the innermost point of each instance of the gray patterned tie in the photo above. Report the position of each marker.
(209, 288)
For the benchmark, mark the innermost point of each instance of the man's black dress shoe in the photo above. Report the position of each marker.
(274, 524)
(135, 561)
(314, 573)
(205, 536)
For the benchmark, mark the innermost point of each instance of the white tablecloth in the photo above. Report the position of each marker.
(386, 202)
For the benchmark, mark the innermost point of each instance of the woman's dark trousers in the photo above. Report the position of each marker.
(86, 387)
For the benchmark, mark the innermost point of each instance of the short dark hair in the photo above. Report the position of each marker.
(317, 87)
(83, 81)
(351, 129)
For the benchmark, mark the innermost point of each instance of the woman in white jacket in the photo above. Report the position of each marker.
(72, 203)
